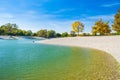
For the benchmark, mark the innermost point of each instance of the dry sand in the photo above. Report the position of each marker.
(109, 44)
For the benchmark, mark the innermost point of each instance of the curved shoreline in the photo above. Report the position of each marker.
(109, 44)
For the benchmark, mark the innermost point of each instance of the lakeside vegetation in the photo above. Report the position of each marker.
(100, 28)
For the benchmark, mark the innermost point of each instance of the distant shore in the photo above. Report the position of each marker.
(19, 37)
(109, 44)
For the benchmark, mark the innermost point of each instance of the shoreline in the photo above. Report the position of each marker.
(8, 37)
(109, 44)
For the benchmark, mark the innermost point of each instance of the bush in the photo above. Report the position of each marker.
(58, 35)
(65, 34)
(51, 34)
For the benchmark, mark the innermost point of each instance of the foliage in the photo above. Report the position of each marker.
(101, 27)
(1, 31)
(51, 34)
(42, 33)
(29, 33)
(86, 34)
(118, 33)
(116, 24)
(77, 27)
(8, 29)
(65, 34)
(58, 35)
(12, 29)
(72, 33)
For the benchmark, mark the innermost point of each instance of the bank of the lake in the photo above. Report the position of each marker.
(109, 44)
(6, 37)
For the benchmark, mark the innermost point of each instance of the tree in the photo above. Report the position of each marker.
(77, 27)
(58, 35)
(28, 33)
(51, 34)
(42, 33)
(101, 27)
(34, 34)
(72, 33)
(1, 31)
(20, 32)
(65, 34)
(9, 29)
(14, 29)
(116, 24)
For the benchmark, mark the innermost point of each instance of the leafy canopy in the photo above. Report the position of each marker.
(77, 27)
(116, 24)
(101, 27)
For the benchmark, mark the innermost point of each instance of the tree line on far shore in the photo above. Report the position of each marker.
(13, 30)
(100, 28)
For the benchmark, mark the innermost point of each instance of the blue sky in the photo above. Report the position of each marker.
(56, 14)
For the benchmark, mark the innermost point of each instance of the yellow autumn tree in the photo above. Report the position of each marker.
(77, 27)
(101, 27)
(116, 24)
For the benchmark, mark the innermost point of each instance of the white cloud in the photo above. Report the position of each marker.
(110, 5)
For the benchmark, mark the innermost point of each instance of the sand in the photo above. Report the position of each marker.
(109, 44)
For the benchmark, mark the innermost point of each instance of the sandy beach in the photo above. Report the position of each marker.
(109, 44)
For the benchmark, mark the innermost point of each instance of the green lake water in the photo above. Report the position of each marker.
(25, 60)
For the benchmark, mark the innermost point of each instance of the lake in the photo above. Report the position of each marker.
(24, 60)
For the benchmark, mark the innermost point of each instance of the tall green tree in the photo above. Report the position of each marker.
(65, 34)
(101, 27)
(1, 31)
(9, 29)
(20, 32)
(14, 29)
(58, 35)
(51, 34)
(29, 33)
(42, 33)
(116, 24)
(77, 27)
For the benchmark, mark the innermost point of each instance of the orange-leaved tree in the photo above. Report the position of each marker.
(77, 27)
